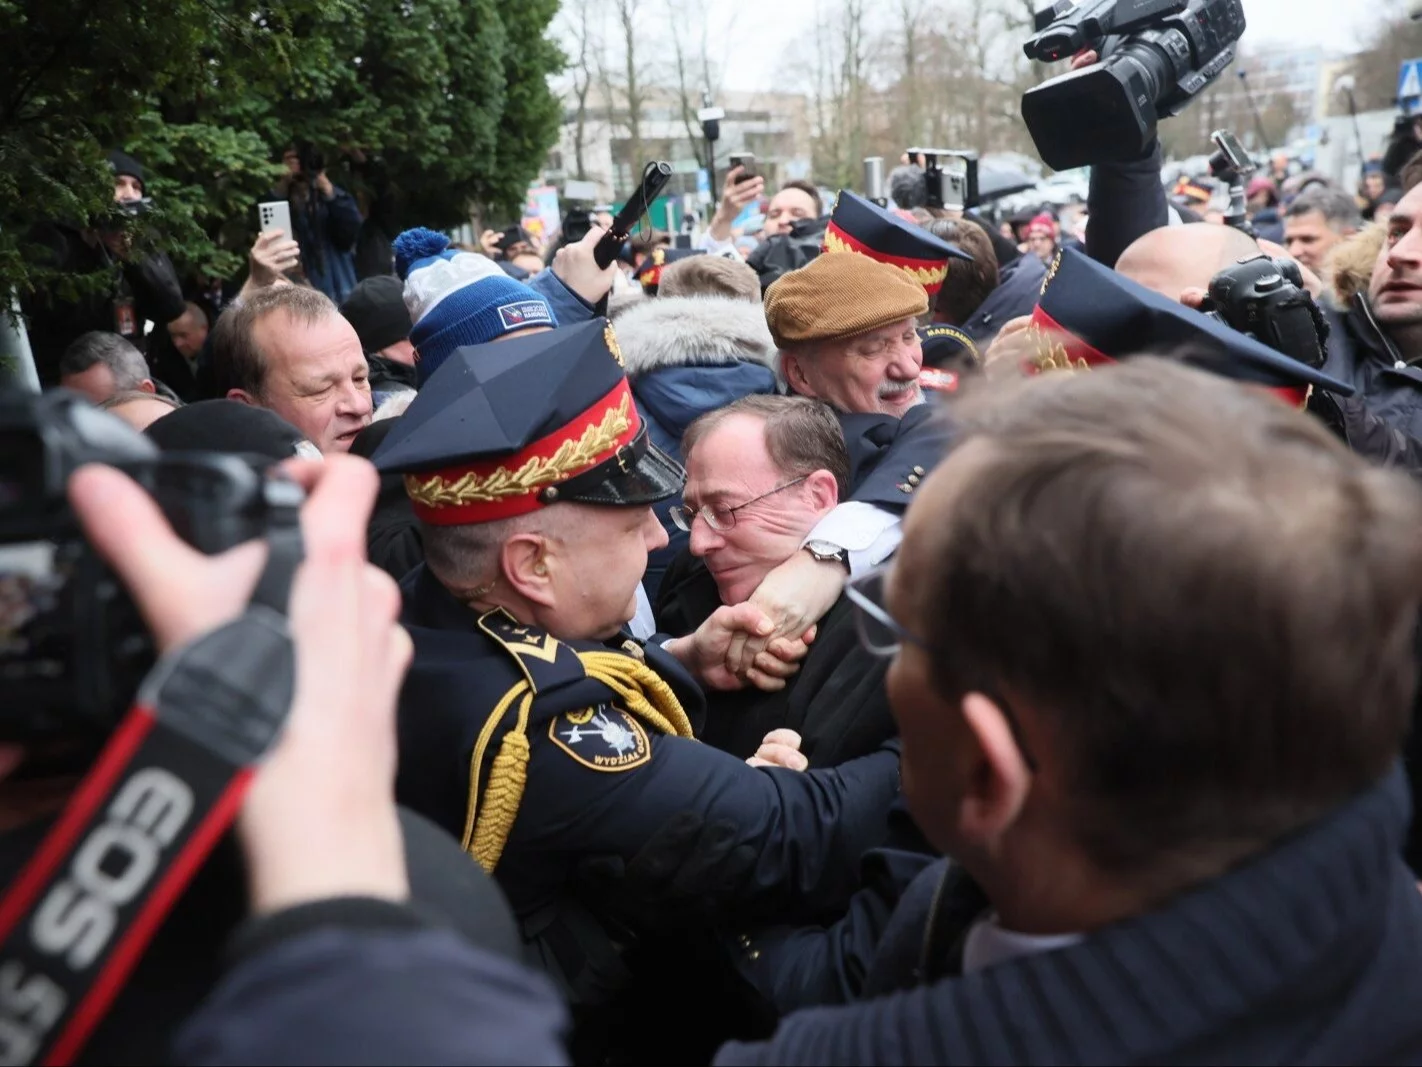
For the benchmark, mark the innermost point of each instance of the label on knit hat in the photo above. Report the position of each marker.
(525, 313)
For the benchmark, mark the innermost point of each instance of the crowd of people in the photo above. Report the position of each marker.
(889, 637)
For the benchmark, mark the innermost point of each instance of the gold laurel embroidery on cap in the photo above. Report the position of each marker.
(609, 337)
(921, 275)
(571, 457)
(1051, 272)
(1049, 354)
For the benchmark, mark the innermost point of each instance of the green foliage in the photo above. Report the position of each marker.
(437, 104)
(531, 110)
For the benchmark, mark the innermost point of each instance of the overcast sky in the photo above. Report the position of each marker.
(1339, 23)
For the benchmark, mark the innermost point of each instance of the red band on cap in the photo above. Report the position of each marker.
(512, 485)
(928, 273)
(1058, 342)
(1059, 348)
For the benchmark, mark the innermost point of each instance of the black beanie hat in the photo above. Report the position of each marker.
(376, 308)
(123, 163)
(228, 426)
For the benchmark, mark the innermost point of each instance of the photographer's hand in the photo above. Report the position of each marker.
(320, 819)
(324, 186)
(578, 270)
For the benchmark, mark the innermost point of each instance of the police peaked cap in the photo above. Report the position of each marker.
(859, 225)
(1089, 314)
(505, 428)
(649, 272)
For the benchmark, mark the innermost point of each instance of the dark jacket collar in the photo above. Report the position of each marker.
(429, 604)
(386, 374)
(1018, 287)
(1269, 944)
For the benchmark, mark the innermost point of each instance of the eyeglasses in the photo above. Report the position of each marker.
(879, 632)
(883, 635)
(721, 518)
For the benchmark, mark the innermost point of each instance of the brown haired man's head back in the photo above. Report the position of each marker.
(1162, 621)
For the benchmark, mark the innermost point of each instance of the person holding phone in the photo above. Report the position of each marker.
(739, 190)
(325, 221)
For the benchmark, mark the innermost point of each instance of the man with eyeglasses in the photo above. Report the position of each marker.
(762, 471)
(845, 330)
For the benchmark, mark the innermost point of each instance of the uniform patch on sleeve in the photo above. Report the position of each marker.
(602, 738)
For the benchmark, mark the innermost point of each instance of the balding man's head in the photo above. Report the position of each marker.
(1175, 258)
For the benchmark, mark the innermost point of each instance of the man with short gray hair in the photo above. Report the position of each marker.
(100, 364)
(1319, 219)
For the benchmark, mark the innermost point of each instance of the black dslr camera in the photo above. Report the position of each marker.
(1265, 298)
(73, 648)
(1156, 56)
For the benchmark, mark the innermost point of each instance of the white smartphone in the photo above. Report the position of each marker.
(275, 215)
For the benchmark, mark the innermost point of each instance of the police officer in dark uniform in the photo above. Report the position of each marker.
(530, 726)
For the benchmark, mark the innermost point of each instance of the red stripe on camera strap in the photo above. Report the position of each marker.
(71, 931)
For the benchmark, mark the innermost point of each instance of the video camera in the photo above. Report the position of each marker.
(1265, 298)
(1156, 56)
(955, 188)
(73, 648)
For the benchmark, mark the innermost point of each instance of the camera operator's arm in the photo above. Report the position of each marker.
(1125, 200)
(342, 213)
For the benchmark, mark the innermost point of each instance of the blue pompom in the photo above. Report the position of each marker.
(417, 244)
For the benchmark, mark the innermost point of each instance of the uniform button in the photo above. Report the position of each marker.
(904, 487)
(755, 954)
(1399, 365)
(745, 941)
(913, 479)
(919, 471)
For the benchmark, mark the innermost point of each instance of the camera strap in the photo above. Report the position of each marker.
(165, 789)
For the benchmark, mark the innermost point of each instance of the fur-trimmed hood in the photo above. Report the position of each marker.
(682, 331)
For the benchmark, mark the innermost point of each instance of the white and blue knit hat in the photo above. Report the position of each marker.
(459, 298)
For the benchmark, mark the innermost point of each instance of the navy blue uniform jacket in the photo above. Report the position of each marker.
(582, 800)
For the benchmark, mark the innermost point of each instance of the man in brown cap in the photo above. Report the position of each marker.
(846, 330)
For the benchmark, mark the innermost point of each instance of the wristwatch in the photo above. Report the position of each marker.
(828, 552)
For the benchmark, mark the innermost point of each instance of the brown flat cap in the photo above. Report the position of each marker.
(840, 296)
